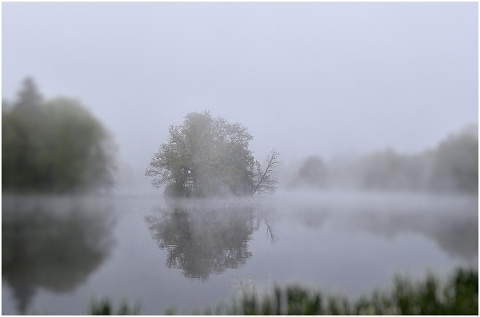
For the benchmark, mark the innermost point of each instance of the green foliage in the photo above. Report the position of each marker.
(29, 98)
(457, 296)
(54, 146)
(452, 166)
(312, 172)
(455, 163)
(384, 169)
(207, 156)
(105, 307)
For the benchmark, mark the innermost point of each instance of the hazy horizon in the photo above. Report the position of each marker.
(305, 78)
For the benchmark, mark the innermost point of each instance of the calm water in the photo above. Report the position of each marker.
(59, 253)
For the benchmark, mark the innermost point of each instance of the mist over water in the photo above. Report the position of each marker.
(193, 253)
(52, 244)
(359, 120)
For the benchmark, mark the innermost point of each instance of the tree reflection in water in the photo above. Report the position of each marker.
(203, 239)
(457, 235)
(451, 222)
(52, 244)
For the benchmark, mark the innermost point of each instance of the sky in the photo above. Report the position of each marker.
(305, 78)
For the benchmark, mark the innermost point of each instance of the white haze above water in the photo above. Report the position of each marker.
(305, 78)
(192, 254)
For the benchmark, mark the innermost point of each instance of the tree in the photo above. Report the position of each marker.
(20, 130)
(207, 156)
(313, 172)
(5, 105)
(455, 163)
(384, 170)
(29, 98)
(265, 180)
(77, 151)
(53, 146)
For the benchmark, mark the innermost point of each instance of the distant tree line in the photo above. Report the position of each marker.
(208, 156)
(53, 146)
(452, 166)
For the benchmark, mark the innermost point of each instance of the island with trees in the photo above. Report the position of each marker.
(207, 156)
(58, 146)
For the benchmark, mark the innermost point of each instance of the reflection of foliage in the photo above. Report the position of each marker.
(51, 244)
(452, 224)
(203, 241)
(313, 217)
(53, 146)
(456, 235)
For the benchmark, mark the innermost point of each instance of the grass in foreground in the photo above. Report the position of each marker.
(106, 307)
(457, 296)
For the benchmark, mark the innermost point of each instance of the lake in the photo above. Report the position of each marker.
(61, 252)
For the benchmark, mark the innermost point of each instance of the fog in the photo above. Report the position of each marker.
(305, 78)
(60, 252)
(52, 244)
(359, 119)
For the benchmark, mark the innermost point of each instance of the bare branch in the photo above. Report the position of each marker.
(267, 182)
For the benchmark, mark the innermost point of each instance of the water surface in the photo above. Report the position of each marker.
(59, 253)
